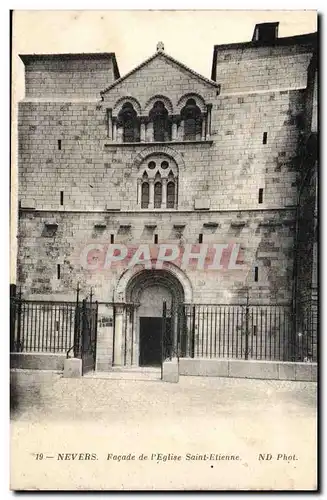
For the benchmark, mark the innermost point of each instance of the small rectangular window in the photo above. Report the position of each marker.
(256, 273)
(254, 330)
(155, 239)
(264, 138)
(61, 197)
(260, 198)
(200, 238)
(59, 144)
(58, 271)
(112, 238)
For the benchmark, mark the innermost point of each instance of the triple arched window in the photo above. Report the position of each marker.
(158, 122)
(158, 185)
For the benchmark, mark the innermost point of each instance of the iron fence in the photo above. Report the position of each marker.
(236, 331)
(53, 326)
(41, 326)
(306, 329)
(262, 332)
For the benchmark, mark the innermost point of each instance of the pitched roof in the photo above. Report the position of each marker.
(160, 53)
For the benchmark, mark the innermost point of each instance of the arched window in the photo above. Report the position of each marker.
(161, 122)
(157, 194)
(191, 115)
(170, 194)
(145, 195)
(128, 119)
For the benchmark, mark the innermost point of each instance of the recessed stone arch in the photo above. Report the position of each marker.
(200, 102)
(170, 274)
(149, 104)
(165, 150)
(126, 99)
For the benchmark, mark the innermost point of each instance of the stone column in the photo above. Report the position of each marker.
(151, 193)
(120, 131)
(149, 132)
(203, 135)
(208, 127)
(109, 116)
(180, 134)
(119, 329)
(176, 192)
(114, 130)
(174, 131)
(143, 129)
(139, 191)
(164, 193)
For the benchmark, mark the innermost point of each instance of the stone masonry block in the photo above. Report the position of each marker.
(286, 371)
(72, 368)
(253, 369)
(170, 371)
(303, 371)
(201, 204)
(203, 367)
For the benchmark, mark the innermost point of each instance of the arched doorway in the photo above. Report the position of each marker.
(147, 290)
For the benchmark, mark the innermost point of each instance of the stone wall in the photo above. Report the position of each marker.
(93, 172)
(68, 75)
(248, 69)
(266, 240)
(71, 171)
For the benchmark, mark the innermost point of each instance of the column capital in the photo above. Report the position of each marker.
(176, 119)
(144, 120)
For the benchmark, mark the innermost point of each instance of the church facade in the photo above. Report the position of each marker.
(164, 185)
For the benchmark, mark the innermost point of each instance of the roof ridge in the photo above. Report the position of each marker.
(153, 56)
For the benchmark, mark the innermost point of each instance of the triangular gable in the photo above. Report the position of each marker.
(161, 53)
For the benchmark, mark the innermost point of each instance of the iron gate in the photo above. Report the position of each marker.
(170, 341)
(85, 334)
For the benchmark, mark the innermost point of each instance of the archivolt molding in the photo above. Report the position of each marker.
(165, 150)
(198, 99)
(119, 104)
(149, 104)
(130, 276)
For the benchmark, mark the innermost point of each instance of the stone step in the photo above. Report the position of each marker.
(127, 374)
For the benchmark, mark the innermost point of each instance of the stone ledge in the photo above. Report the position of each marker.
(148, 143)
(253, 369)
(203, 367)
(37, 360)
(256, 369)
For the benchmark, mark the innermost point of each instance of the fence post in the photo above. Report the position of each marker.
(193, 333)
(77, 325)
(19, 316)
(12, 317)
(247, 310)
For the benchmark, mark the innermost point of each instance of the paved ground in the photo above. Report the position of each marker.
(198, 415)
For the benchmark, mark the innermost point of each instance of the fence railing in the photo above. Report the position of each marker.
(262, 332)
(236, 331)
(42, 326)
